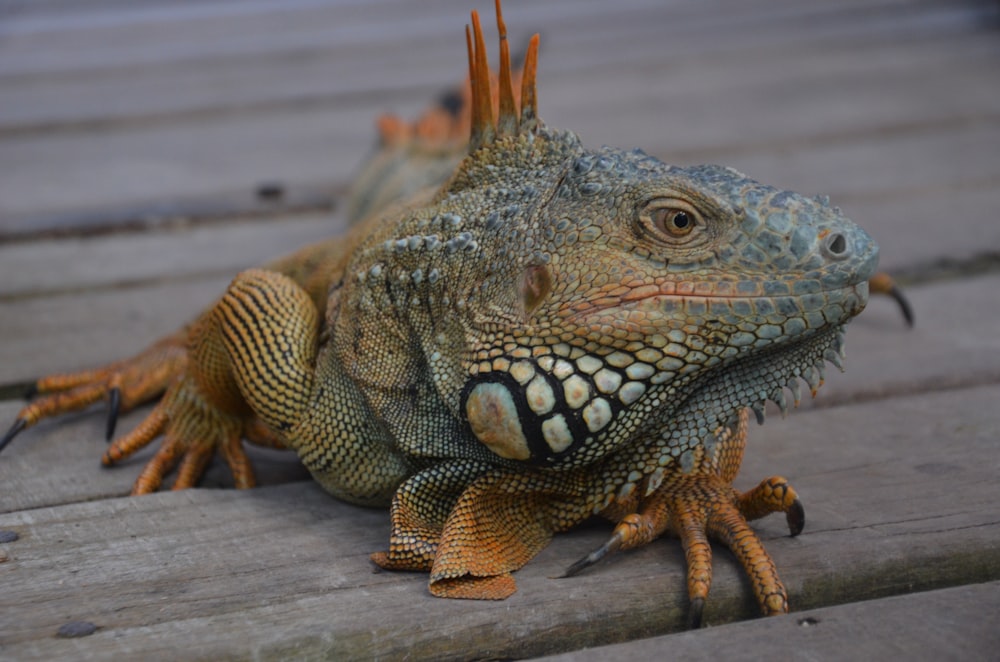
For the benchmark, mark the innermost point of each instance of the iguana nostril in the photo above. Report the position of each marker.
(836, 245)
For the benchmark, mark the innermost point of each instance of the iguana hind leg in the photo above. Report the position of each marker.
(242, 370)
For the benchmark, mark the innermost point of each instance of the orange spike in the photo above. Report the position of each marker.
(507, 120)
(473, 108)
(483, 131)
(529, 95)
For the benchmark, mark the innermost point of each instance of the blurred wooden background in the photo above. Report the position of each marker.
(135, 134)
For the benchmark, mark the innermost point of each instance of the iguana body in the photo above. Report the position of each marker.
(557, 332)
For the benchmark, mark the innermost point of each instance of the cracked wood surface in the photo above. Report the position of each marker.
(900, 497)
(115, 114)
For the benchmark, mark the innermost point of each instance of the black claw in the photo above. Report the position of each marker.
(695, 613)
(904, 304)
(592, 558)
(19, 425)
(796, 518)
(579, 566)
(114, 405)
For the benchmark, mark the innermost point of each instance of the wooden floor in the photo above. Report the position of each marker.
(133, 136)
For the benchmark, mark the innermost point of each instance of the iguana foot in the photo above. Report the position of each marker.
(697, 508)
(192, 430)
(124, 384)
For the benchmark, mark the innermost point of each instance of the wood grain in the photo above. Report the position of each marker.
(160, 119)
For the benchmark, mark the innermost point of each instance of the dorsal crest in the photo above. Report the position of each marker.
(509, 121)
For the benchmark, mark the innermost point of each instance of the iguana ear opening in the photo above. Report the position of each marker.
(509, 122)
(536, 283)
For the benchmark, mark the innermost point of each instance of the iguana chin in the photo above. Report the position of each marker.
(557, 332)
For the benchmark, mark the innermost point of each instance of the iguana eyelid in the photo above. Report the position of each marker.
(657, 214)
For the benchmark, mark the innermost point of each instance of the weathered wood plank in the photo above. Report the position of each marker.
(951, 623)
(317, 52)
(774, 85)
(890, 107)
(79, 264)
(80, 302)
(81, 330)
(900, 497)
(84, 37)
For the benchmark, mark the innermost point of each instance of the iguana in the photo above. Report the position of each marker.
(554, 333)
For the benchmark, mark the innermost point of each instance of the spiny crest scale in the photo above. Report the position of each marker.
(509, 121)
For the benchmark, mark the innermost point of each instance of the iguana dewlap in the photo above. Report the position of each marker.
(557, 332)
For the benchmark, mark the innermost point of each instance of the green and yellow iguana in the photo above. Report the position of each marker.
(557, 332)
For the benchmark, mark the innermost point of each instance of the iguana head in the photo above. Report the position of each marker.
(602, 291)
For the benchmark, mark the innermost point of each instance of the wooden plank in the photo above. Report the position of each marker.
(777, 81)
(946, 624)
(97, 38)
(913, 239)
(75, 331)
(79, 264)
(81, 302)
(889, 186)
(156, 164)
(312, 52)
(900, 497)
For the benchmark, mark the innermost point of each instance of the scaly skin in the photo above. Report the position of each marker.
(412, 156)
(557, 332)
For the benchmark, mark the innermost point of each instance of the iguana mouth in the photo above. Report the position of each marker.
(816, 309)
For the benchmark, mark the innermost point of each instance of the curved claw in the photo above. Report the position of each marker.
(696, 610)
(774, 495)
(882, 283)
(610, 547)
(114, 407)
(904, 304)
(19, 425)
(796, 518)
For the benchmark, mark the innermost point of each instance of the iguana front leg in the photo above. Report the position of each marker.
(702, 505)
(243, 370)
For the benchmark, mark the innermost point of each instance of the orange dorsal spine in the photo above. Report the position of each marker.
(509, 121)
(529, 94)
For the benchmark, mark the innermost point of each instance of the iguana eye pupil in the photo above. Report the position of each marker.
(674, 222)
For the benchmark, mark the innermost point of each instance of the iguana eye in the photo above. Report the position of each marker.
(670, 219)
(676, 222)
